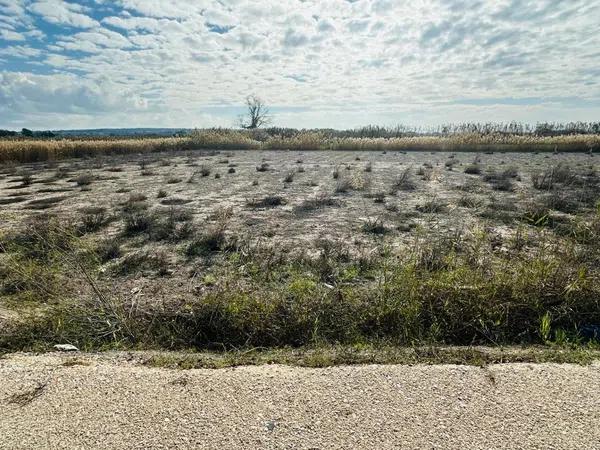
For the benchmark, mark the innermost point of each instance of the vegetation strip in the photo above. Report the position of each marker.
(476, 139)
(328, 356)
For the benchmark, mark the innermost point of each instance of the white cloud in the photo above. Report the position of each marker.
(60, 12)
(22, 92)
(9, 35)
(344, 62)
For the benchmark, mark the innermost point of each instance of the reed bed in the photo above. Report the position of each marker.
(33, 150)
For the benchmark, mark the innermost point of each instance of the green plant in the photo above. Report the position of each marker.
(374, 226)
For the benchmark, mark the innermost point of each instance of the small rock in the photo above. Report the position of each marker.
(66, 348)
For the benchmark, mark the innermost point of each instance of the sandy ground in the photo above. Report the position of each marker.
(112, 403)
(202, 195)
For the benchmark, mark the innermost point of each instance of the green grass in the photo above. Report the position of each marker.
(448, 289)
(328, 356)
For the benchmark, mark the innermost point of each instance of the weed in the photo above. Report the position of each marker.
(289, 177)
(431, 206)
(343, 186)
(84, 179)
(473, 169)
(321, 200)
(142, 261)
(212, 240)
(469, 201)
(500, 181)
(93, 218)
(404, 182)
(107, 250)
(173, 180)
(374, 226)
(269, 201)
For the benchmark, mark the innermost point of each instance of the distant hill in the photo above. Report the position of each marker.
(123, 132)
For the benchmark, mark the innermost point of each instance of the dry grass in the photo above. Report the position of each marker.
(44, 150)
(31, 150)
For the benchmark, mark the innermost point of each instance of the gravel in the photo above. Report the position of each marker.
(110, 402)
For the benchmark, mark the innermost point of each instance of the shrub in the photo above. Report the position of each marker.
(208, 242)
(374, 226)
(431, 206)
(84, 179)
(473, 169)
(500, 181)
(269, 201)
(469, 201)
(537, 215)
(136, 221)
(561, 201)
(94, 217)
(404, 182)
(264, 167)
(174, 180)
(321, 200)
(107, 250)
(289, 177)
(546, 180)
(204, 171)
(143, 261)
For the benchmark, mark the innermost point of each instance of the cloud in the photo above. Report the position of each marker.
(9, 35)
(22, 92)
(60, 12)
(294, 38)
(339, 61)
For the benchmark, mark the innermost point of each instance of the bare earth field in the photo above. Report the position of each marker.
(57, 401)
(113, 180)
(255, 233)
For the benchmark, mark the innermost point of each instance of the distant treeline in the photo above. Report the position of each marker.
(543, 129)
(491, 128)
(27, 133)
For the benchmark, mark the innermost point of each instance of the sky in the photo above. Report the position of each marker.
(316, 63)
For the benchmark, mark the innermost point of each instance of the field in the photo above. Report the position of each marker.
(235, 249)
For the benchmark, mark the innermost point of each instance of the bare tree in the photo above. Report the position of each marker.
(257, 115)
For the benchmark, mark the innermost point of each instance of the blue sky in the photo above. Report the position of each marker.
(318, 63)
